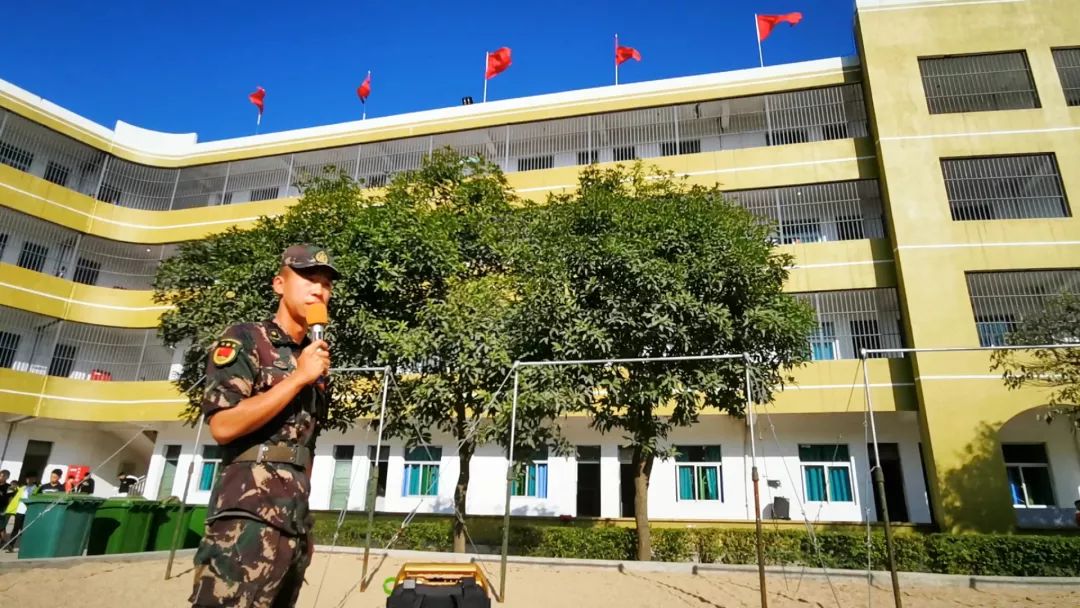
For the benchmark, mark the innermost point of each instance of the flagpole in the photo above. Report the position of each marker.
(363, 102)
(486, 56)
(258, 121)
(616, 59)
(757, 28)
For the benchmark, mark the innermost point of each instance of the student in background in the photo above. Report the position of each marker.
(54, 485)
(19, 503)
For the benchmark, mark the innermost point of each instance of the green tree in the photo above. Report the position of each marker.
(1055, 369)
(633, 266)
(426, 288)
(466, 336)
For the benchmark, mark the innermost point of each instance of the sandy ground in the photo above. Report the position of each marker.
(101, 584)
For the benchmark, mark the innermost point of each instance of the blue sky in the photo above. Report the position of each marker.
(188, 66)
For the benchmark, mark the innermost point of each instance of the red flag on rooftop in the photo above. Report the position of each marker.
(497, 62)
(259, 99)
(766, 23)
(364, 90)
(626, 53)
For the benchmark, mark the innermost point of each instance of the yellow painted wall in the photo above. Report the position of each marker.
(960, 416)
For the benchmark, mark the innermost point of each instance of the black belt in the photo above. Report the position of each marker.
(295, 455)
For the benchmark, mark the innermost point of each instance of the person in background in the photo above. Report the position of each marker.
(124, 481)
(19, 503)
(86, 486)
(54, 486)
(8, 489)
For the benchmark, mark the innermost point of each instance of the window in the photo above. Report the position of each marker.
(384, 468)
(1028, 471)
(264, 194)
(690, 146)
(849, 228)
(588, 157)
(168, 473)
(834, 131)
(57, 173)
(15, 156)
(32, 256)
(376, 181)
(865, 334)
(809, 211)
(700, 478)
(823, 345)
(3, 243)
(87, 271)
(783, 137)
(826, 472)
(854, 319)
(9, 345)
(535, 163)
(1000, 301)
(993, 329)
(1004, 187)
(624, 153)
(63, 359)
(978, 83)
(211, 467)
(1068, 67)
(339, 486)
(109, 194)
(421, 472)
(803, 230)
(532, 480)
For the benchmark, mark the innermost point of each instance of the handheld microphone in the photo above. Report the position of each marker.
(317, 320)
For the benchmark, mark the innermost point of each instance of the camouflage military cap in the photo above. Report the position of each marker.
(305, 256)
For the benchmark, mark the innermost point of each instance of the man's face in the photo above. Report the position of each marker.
(3, 477)
(298, 289)
(54, 478)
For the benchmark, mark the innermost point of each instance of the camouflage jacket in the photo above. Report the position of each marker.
(249, 359)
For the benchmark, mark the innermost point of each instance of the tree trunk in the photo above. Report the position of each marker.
(642, 470)
(461, 491)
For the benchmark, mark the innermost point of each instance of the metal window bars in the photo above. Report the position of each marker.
(46, 345)
(32, 148)
(789, 117)
(1004, 187)
(851, 320)
(978, 83)
(1000, 300)
(1068, 67)
(51, 249)
(832, 211)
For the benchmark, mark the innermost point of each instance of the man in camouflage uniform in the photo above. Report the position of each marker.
(265, 397)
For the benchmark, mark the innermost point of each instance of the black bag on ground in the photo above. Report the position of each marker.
(465, 594)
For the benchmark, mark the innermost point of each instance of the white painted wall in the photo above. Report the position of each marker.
(778, 461)
(1063, 452)
(76, 444)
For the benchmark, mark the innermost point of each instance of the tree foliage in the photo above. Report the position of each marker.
(636, 266)
(1055, 369)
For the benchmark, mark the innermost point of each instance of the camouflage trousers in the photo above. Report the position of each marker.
(248, 563)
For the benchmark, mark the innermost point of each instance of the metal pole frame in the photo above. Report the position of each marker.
(755, 478)
(373, 476)
(518, 365)
(183, 499)
(878, 476)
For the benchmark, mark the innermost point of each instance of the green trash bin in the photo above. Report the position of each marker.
(57, 525)
(121, 525)
(167, 519)
(197, 523)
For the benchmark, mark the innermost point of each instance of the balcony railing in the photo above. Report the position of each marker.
(812, 213)
(851, 320)
(792, 117)
(1002, 300)
(44, 345)
(41, 246)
